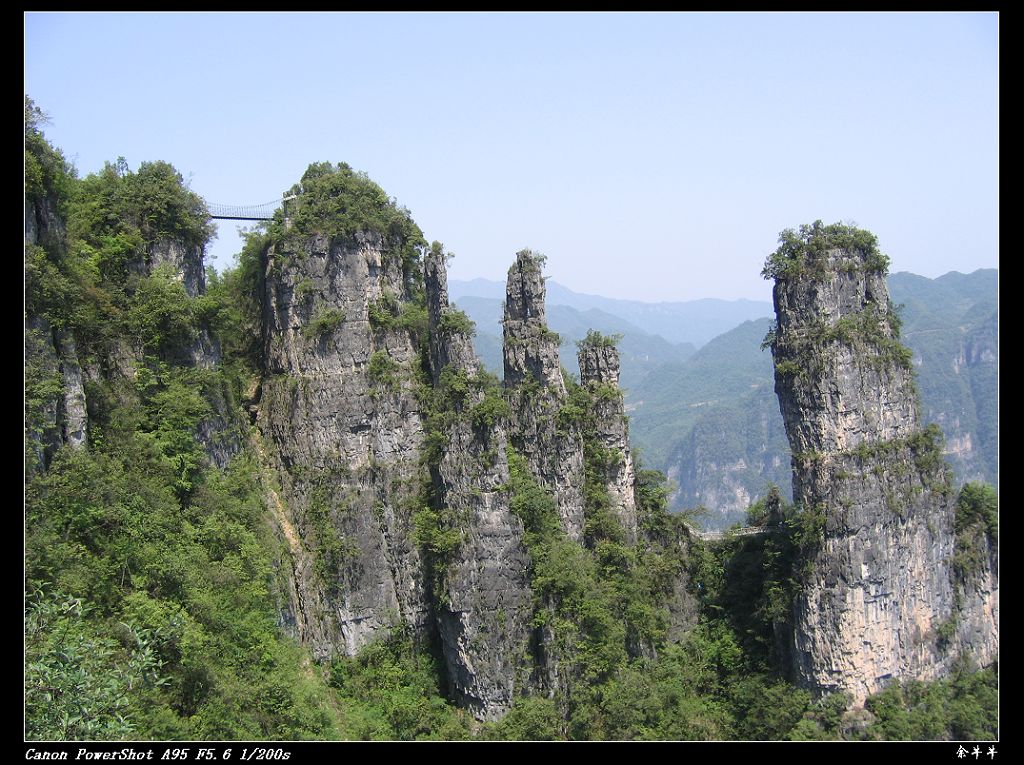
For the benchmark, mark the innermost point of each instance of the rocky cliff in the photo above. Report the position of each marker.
(113, 362)
(879, 597)
(340, 424)
(60, 415)
(484, 602)
(611, 454)
(390, 443)
(533, 379)
(396, 498)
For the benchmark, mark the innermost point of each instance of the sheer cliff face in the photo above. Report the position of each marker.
(878, 596)
(62, 419)
(485, 606)
(853, 390)
(340, 423)
(383, 528)
(533, 377)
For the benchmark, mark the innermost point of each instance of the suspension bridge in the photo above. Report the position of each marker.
(746, 531)
(263, 211)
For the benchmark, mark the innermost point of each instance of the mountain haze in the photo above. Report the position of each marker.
(690, 321)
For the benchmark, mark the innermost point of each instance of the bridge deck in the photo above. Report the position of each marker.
(262, 211)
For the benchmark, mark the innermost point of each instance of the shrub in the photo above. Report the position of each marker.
(326, 321)
(808, 248)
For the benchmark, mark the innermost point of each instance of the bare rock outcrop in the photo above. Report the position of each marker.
(340, 425)
(599, 375)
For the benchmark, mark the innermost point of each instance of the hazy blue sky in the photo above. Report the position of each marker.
(649, 156)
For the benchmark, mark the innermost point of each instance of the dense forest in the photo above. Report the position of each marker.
(154, 575)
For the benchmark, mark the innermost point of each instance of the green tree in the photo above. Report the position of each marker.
(78, 682)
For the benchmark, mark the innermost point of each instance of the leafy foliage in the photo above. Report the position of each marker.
(595, 339)
(347, 202)
(47, 173)
(964, 707)
(456, 322)
(976, 526)
(390, 692)
(808, 249)
(532, 260)
(323, 324)
(383, 372)
(159, 315)
(79, 682)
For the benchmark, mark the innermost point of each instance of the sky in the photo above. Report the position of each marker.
(649, 156)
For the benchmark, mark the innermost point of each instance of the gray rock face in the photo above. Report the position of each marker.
(43, 428)
(44, 225)
(186, 263)
(850, 394)
(531, 348)
(599, 373)
(485, 606)
(599, 365)
(74, 419)
(533, 376)
(341, 426)
(880, 592)
(448, 348)
(63, 418)
(42, 370)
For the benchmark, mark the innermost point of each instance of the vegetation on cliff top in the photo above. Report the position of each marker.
(808, 248)
(338, 201)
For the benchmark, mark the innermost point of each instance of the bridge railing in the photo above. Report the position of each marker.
(262, 211)
(746, 531)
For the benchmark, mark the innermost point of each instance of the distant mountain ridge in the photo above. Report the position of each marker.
(705, 412)
(712, 423)
(690, 321)
(641, 351)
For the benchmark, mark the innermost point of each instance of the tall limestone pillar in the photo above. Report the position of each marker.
(483, 599)
(533, 377)
(599, 375)
(877, 600)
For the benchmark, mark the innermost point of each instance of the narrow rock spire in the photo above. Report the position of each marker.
(536, 390)
(483, 603)
(878, 592)
(599, 374)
